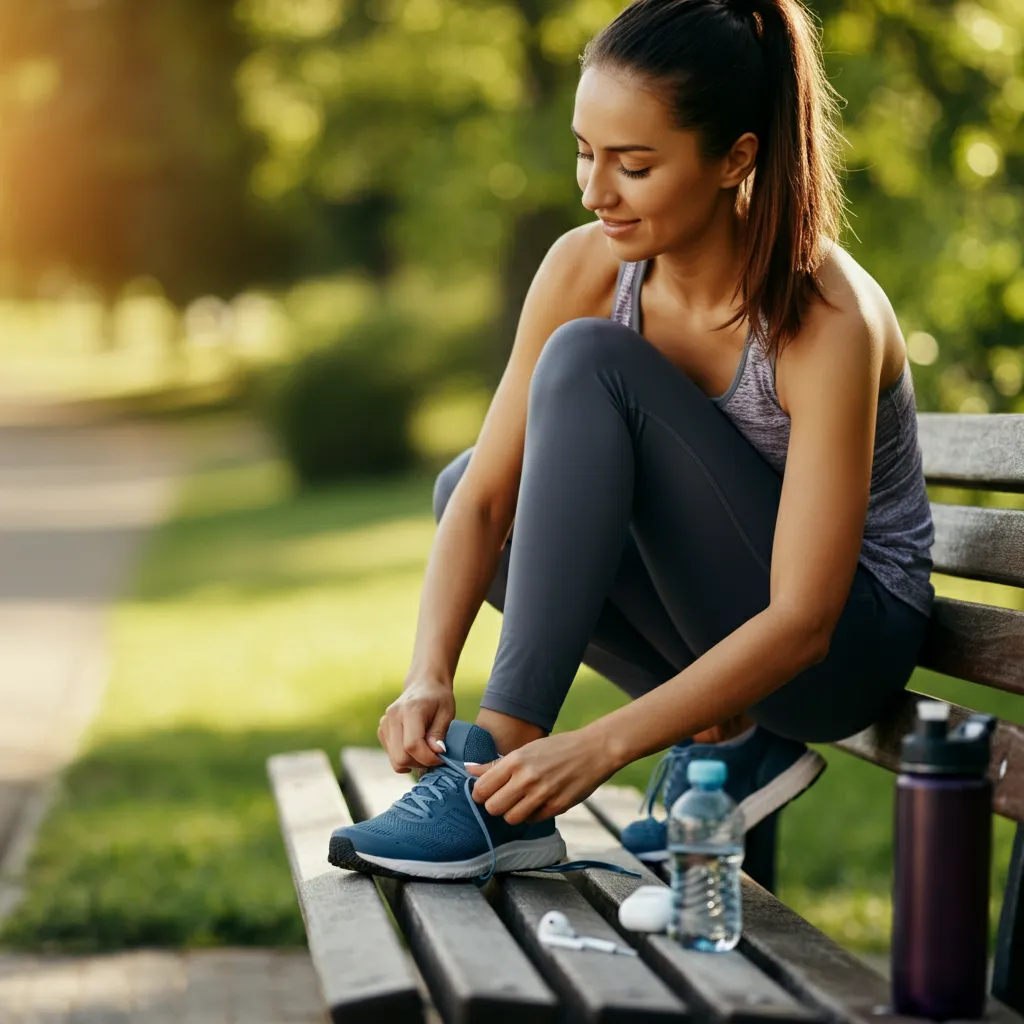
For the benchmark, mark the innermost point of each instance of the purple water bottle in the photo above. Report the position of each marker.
(942, 853)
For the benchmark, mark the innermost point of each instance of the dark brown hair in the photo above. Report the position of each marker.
(726, 67)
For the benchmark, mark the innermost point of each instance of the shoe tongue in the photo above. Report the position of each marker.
(468, 742)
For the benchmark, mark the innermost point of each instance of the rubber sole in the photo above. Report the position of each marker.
(519, 855)
(786, 786)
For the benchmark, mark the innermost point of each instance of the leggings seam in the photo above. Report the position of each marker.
(711, 480)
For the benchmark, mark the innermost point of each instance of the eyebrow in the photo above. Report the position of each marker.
(616, 149)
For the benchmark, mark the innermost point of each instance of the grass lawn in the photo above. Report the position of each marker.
(262, 621)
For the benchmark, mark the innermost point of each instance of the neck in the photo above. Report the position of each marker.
(700, 277)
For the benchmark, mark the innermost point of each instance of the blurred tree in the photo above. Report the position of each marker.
(431, 138)
(121, 152)
(459, 112)
(935, 100)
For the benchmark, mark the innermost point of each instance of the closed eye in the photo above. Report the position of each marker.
(628, 173)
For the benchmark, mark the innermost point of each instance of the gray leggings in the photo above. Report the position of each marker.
(643, 536)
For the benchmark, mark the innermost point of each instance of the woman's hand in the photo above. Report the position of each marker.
(414, 726)
(543, 778)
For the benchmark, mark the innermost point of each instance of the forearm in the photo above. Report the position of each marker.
(463, 561)
(761, 655)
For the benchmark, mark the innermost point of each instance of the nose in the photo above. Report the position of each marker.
(595, 195)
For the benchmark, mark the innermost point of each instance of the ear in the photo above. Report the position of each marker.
(739, 161)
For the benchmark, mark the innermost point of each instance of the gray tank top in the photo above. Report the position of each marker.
(898, 533)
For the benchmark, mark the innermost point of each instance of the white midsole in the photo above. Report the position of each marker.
(786, 785)
(653, 856)
(518, 855)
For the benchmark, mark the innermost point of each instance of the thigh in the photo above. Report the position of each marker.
(704, 514)
(872, 654)
(634, 643)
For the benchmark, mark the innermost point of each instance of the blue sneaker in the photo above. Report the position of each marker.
(766, 772)
(437, 830)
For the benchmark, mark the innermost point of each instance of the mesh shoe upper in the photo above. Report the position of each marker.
(435, 819)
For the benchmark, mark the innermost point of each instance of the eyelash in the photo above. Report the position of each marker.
(629, 174)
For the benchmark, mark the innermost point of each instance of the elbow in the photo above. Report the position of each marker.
(807, 633)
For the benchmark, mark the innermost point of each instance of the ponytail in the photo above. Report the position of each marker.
(736, 66)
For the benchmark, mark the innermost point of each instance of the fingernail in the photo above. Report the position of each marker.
(471, 764)
(440, 746)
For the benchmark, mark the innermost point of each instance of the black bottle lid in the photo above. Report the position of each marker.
(934, 749)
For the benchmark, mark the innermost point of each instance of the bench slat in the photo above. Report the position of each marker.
(880, 744)
(475, 969)
(976, 642)
(600, 987)
(967, 450)
(979, 543)
(364, 974)
(801, 958)
(727, 986)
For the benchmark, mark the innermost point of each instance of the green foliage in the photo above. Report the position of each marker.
(345, 409)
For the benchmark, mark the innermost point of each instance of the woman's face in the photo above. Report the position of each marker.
(666, 186)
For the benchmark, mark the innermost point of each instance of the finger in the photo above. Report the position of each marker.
(521, 811)
(545, 811)
(516, 789)
(414, 742)
(476, 769)
(397, 762)
(439, 729)
(496, 774)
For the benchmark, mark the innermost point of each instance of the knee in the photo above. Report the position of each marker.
(446, 480)
(576, 348)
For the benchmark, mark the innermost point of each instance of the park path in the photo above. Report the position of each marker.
(76, 504)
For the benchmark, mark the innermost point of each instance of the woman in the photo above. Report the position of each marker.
(706, 436)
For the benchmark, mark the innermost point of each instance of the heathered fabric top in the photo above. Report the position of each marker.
(898, 533)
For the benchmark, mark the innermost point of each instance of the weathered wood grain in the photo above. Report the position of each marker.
(476, 971)
(979, 543)
(985, 450)
(805, 961)
(976, 642)
(364, 974)
(880, 744)
(596, 987)
(725, 987)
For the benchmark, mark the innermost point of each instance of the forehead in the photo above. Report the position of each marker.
(615, 108)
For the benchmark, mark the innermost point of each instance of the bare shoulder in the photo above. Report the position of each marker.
(857, 314)
(584, 271)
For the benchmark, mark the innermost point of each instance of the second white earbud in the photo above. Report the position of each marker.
(554, 929)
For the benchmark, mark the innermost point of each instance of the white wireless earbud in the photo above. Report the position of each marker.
(555, 923)
(554, 930)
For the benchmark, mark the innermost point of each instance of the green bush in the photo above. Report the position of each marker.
(344, 410)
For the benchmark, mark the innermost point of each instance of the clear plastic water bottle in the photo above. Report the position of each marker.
(705, 844)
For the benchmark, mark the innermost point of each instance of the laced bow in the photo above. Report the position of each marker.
(452, 775)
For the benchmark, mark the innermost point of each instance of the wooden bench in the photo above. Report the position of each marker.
(388, 951)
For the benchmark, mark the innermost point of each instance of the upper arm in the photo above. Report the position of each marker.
(564, 287)
(832, 381)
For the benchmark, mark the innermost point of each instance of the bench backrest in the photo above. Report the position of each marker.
(972, 641)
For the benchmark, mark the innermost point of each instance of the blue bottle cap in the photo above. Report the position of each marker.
(705, 771)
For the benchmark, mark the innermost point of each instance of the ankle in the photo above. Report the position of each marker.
(731, 730)
(508, 733)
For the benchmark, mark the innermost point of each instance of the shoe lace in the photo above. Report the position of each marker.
(450, 776)
(659, 778)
